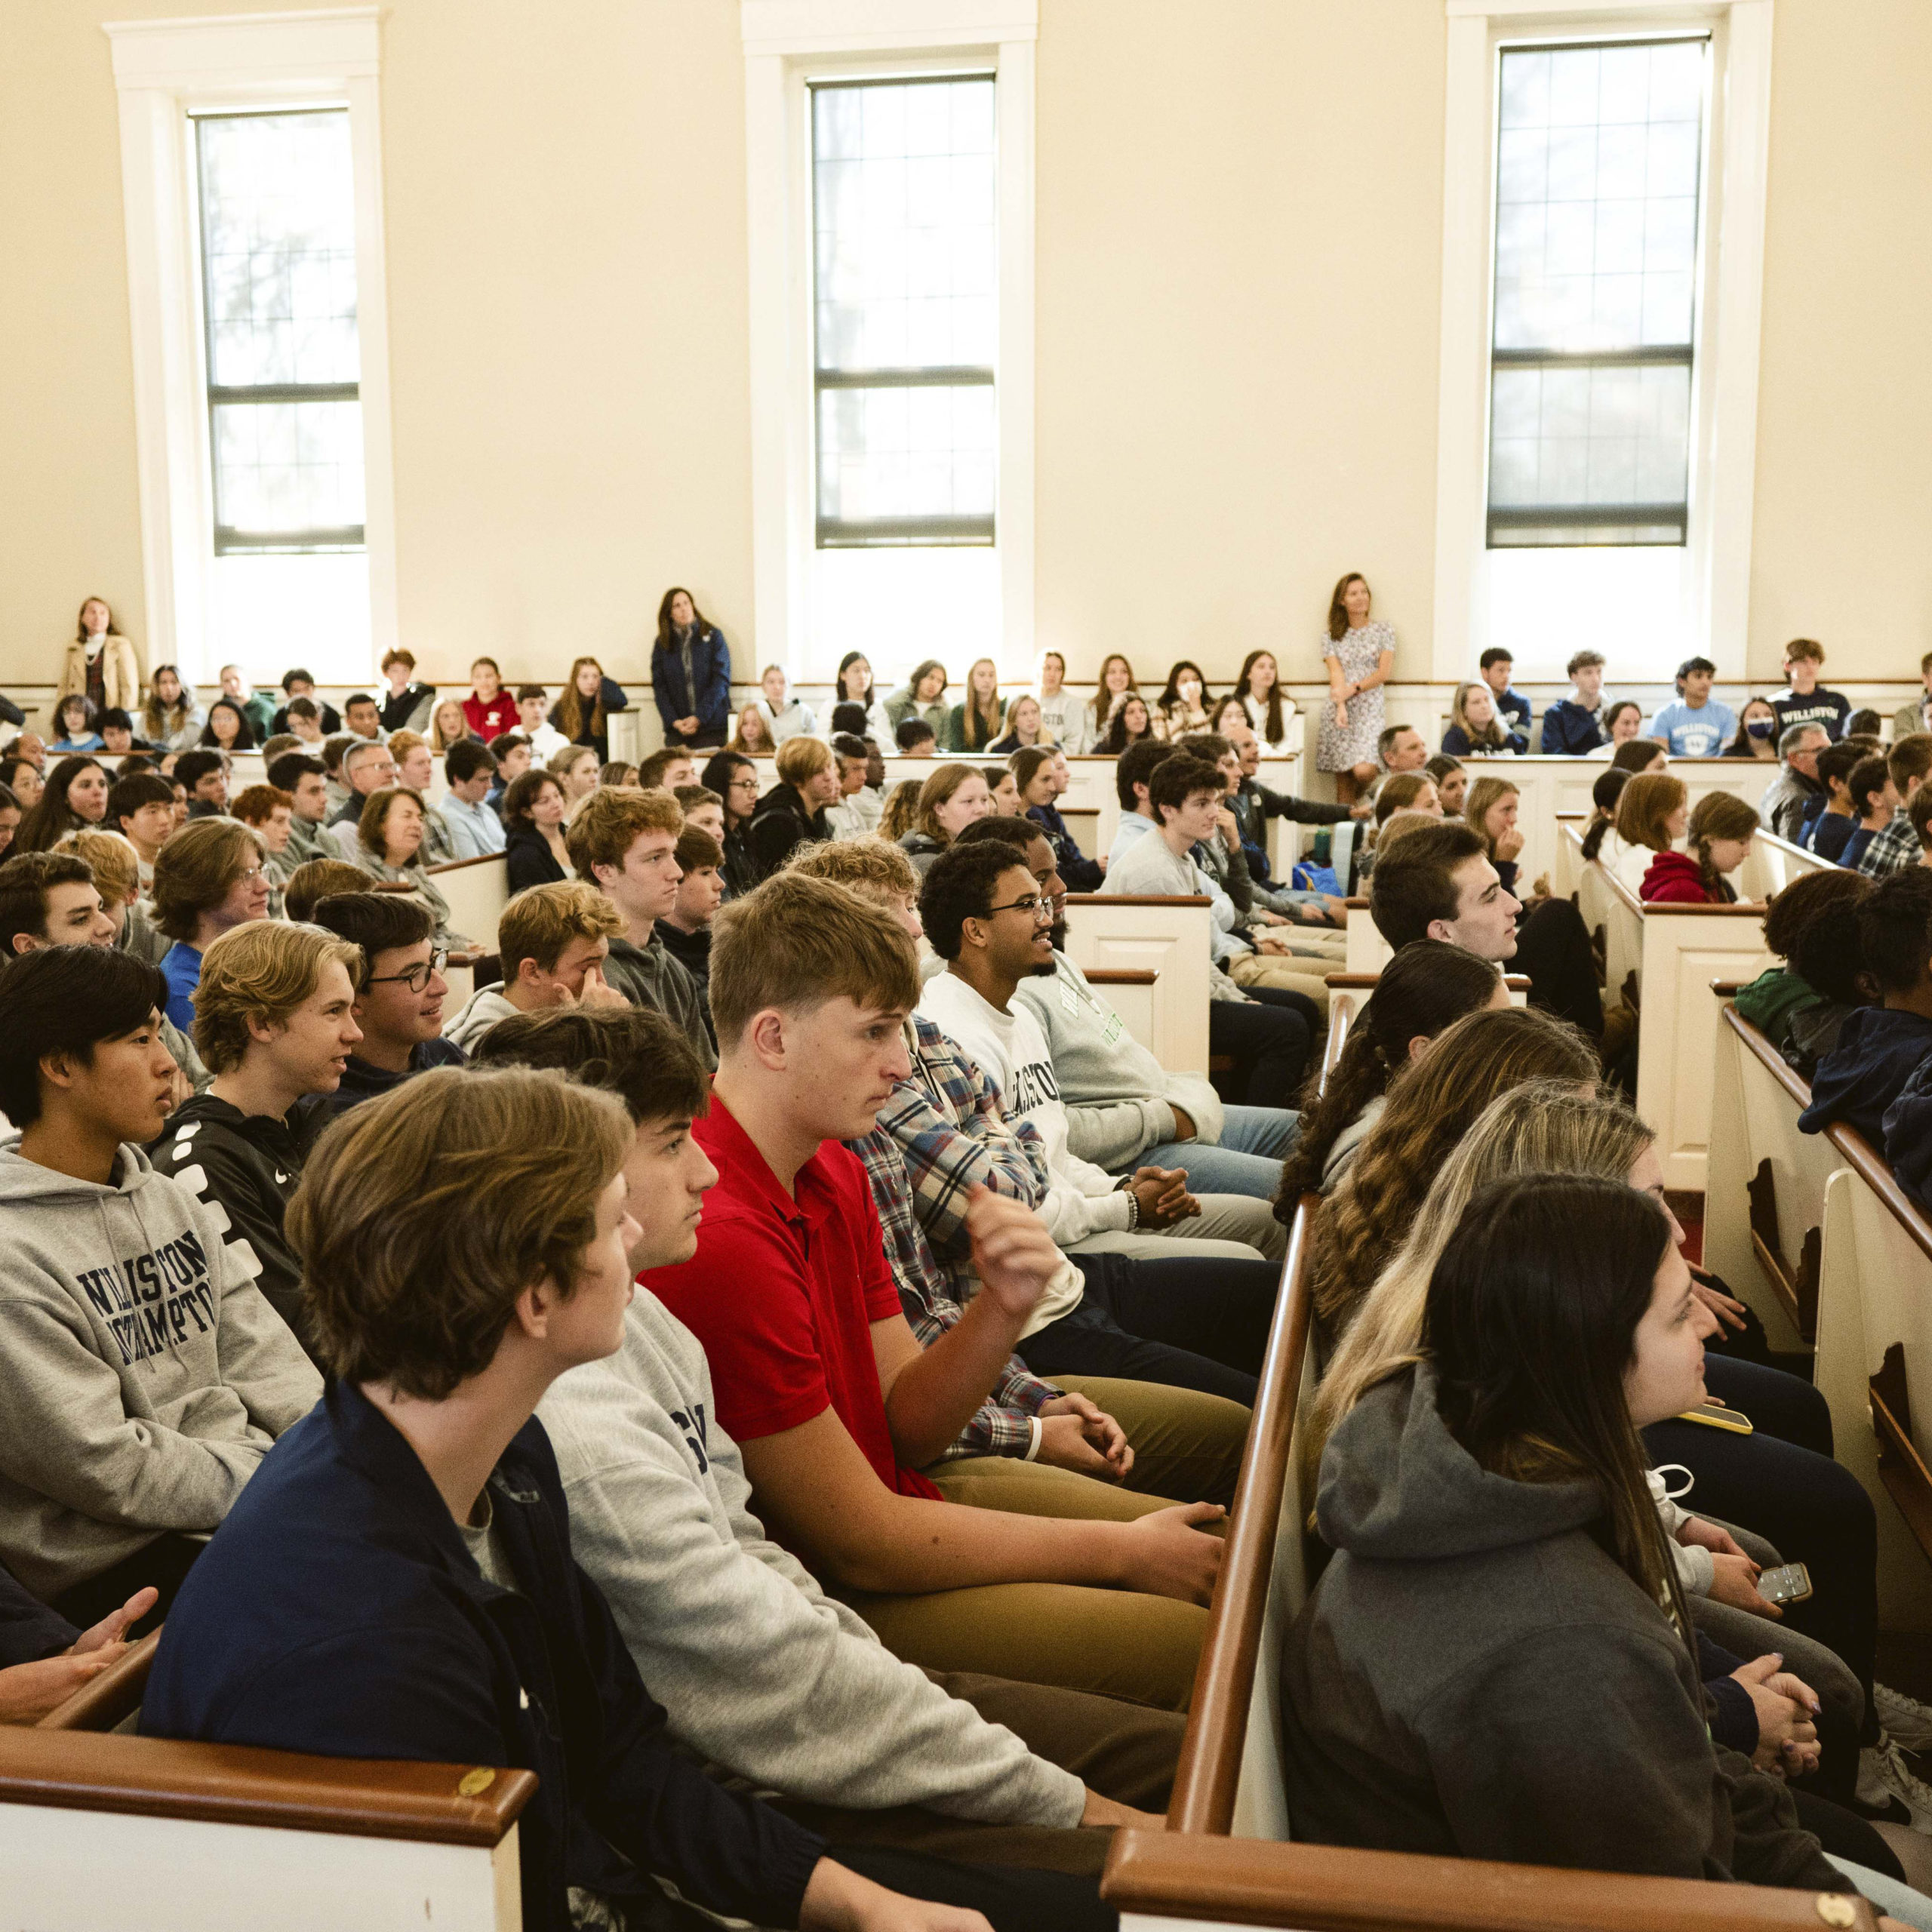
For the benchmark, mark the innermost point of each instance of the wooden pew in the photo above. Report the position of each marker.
(1774, 862)
(1215, 1864)
(1765, 1185)
(1875, 1354)
(478, 889)
(99, 1830)
(1168, 937)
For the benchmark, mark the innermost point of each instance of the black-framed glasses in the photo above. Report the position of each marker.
(1033, 905)
(418, 975)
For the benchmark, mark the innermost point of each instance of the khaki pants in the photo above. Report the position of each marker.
(1122, 1643)
(1292, 975)
(1124, 1751)
(1187, 1448)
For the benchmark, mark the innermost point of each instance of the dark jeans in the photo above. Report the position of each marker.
(1780, 1482)
(165, 1563)
(1270, 1042)
(1189, 1324)
(1844, 1834)
(1011, 1899)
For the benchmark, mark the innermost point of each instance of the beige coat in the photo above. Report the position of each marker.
(120, 672)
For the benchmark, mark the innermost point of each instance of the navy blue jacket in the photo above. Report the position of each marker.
(1908, 1132)
(1877, 1053)
(1568, 727)
(1513, 708)
(1081, 873)
(711, 704)
(1455, 741)
(337, 1611)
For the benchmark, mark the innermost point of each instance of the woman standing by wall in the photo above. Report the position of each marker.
(690, 672)
(100, 663)
(1360, 655)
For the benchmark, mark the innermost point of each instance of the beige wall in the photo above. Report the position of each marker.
(1239, 234)
(1841, 549)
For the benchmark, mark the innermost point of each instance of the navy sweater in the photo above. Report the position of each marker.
(337, 1611)
(1877, 1053)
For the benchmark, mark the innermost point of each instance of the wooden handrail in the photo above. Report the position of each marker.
(1130, 898)
(1728, 988)
(1210, 1752)
(1868, 1165)
(1787, 1075)
(1328, 1888)
(233, 1784)
(1120, 975)
(103, 1701)
(458, 864)
(1349, 983)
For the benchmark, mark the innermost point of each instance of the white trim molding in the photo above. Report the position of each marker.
(1723, 456)
(785, 42)
(164, 72)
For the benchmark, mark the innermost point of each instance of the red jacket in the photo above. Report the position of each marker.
(1675, 878)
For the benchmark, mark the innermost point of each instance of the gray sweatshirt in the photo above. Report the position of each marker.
(649, 976)
(143, 1376)
(1120, 1100)
(479, 1013)
(1474, 1674)
(765, 1677)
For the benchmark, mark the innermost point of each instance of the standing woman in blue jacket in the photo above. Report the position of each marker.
(582, 712)
(690, 673)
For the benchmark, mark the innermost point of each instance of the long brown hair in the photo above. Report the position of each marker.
(569, 715)
(51, 817)
(80, 620)
(1484, 794)
(1103, 698)
(1648, 801)
(980, 727)
(700, 623)
(1338, 611)
(1719, 815)
(1531, 1331)
(1275, 724)
(1432, 1105)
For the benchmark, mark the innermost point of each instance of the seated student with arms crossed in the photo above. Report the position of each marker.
(832, 1401)
(145, 1376)
(402, 1585)
(399, 992)
(552, 940)
(625, 843)
(762, 1673)
(1503, 1469)
(273, 1019)
(985, 915)
(1031, 1445)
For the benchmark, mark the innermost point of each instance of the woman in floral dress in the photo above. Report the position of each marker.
(1359, 656)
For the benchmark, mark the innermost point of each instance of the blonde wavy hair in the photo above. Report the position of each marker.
(1432, 1104)
(1541, 1126)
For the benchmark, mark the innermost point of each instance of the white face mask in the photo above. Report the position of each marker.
(1189, 690)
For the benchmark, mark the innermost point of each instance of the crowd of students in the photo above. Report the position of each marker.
(783, 1334)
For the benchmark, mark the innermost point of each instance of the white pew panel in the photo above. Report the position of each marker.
(478, 889)
(1169, 937)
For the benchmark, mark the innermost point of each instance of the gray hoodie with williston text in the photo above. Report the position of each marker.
(143, 1376)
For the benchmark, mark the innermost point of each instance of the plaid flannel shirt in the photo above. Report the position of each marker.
(1893, 850)
(916, 1126)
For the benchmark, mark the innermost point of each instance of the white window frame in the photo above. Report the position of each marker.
(164, 71)
(785, 41)
(1731, 257)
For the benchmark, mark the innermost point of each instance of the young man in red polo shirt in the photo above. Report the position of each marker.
(818, 1378)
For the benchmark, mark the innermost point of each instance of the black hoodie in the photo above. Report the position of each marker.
(246, 1166)
(1474, 1675)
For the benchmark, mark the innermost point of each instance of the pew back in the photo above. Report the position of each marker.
(477, 890)
(1168, 937)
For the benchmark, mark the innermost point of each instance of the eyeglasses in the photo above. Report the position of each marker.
(1040, 911)
(418, 976)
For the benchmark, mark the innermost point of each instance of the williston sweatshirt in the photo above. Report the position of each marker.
(1120, 1100)
(143, 1376)
(764, 1677)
